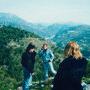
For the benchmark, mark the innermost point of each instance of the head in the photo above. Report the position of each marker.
(45, 46)
(30, 48)
(72, 49)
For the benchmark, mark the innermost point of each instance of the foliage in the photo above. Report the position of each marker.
(13, 42)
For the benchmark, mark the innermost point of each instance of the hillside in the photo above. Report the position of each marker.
(11, 47)
(58, 33)
(15, 34)
(80, 34)
(13, 42)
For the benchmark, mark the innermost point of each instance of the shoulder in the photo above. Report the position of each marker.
(41, 50)
(84, 60)
(68, 59)
(49, 50)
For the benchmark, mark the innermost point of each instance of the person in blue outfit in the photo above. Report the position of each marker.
(28, 61)
(47, 57)
(71, 69)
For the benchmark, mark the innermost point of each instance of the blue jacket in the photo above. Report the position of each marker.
(46, 55)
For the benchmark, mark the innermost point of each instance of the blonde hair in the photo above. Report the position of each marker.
(72, 49)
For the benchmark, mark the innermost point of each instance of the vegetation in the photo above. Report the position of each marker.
(13, 42)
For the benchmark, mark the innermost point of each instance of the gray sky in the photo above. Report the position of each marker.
(49, 11)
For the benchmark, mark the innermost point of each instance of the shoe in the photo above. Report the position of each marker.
(51, 86)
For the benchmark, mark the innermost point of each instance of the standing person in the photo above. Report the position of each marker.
(71, 70)
(47, 57)
(28, 61)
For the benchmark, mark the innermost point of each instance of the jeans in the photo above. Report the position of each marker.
(27, 82)
(48, 66)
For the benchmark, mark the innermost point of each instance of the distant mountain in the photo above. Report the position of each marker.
(8, 19)
(80, 34)
(47, 31)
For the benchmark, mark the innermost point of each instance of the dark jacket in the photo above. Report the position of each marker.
(28, 61)
(70, 74)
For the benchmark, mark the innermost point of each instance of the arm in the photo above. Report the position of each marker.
(51, 55)
(84, 67)
(23, 61)
(58, 76)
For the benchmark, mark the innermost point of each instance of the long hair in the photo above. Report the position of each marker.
(72, 49)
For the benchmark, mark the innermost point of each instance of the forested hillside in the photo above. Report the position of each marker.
(13, 42)
(59, 33)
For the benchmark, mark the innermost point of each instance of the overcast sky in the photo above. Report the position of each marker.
(49, 11)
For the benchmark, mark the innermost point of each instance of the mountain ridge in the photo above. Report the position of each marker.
(59, 33)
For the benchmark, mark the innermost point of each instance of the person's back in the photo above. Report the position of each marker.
(78, 68)
(70, 71)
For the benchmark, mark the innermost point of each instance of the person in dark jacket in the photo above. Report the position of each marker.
(71, 69)
(28, 61)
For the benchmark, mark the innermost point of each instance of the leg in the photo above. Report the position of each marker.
(30, 80)
(45, 71)
(52, 68)
(27, 80)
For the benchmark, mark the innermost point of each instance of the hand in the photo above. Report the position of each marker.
(33, 73)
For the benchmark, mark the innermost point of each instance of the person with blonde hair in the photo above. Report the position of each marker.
(71, 69)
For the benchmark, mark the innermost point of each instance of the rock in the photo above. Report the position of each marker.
(19, 88)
